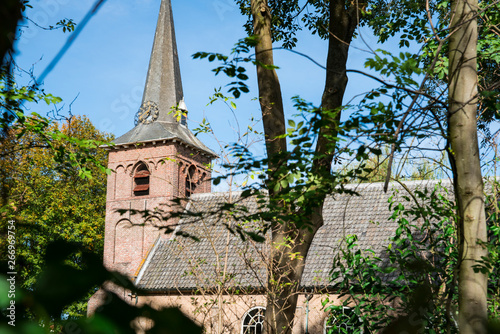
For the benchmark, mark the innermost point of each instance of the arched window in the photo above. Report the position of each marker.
(253, 321)
(190, 180)
(141, 180)
(343, 320)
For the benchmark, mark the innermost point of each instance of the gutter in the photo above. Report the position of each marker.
(145, 262)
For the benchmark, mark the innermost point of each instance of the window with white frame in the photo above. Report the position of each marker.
(253, 321)
(343, 320)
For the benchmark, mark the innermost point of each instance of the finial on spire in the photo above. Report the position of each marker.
(163, 83)
(155, 120)
(183, 108)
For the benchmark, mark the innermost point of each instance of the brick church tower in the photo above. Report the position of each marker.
(155, 162)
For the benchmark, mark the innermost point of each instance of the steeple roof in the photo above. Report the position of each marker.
(163, 83)
(162, 91)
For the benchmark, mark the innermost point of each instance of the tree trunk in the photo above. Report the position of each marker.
(270, 99)
(343, 23)
(464, 157)
(289, 243)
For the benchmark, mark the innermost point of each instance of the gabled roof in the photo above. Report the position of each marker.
(184, 264)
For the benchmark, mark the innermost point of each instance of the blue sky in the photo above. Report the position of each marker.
(105, 69)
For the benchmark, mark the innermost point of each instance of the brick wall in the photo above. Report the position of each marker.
(129, 236)
(226, 315)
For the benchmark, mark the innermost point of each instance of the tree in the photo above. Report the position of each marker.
(465, 161)
(50, 201)
(394, 123)
(53, 175)
(290, 243)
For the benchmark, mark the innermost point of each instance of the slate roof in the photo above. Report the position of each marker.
(163, 88)
(163, 82)
(183, 264)
(158, 131)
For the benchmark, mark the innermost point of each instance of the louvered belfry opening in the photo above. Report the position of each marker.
(141, 180)
(190, 181)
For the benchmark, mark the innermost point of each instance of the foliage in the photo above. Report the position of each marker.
(61, 284)
(343, 320)
(412, 23)
(53, 200)
(302, 186)
(233, 68)
(50, 200)
(417, 287)
(493, 261)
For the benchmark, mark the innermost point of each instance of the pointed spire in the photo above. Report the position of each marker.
(163, 90)
(163, 83)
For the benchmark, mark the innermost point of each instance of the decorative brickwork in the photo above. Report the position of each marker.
(129, 236)
(157, 161)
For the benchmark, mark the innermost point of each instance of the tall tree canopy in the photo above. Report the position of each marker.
(422, 104)
(49, 201)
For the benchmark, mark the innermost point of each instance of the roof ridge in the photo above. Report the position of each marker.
(406, 182)
(215, 194)
(349, 186)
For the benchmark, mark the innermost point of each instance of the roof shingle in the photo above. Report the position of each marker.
(183, 263)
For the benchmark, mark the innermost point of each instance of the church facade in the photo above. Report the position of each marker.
(218, 280)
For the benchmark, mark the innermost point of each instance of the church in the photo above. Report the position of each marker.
(218, 280)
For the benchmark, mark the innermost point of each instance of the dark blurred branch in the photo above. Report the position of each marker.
(10, 14)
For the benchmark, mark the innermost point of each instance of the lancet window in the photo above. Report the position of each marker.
(141, 180)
